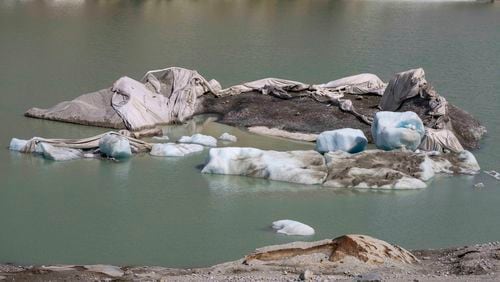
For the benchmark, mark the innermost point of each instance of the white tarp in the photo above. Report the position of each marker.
(403, 86)
(163, 97)
(364, 83)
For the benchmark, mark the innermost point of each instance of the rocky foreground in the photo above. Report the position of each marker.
(346, 258)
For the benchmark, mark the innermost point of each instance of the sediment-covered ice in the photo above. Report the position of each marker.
(455, 163)
(174, 150)
(58, 153)
(292, 227)
(201, 139)
(115, 146)
(395, 130)
(345, 139)
(228, 137)
(305, 167)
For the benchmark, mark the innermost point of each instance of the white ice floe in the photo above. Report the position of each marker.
(395, 130)
(115, 146)
(305, 167)
(58, 153)
(174, 150)
(160, 138)
(228, 137)
(345, 139)
(17, 144)
(201, 139)
(292, 227)
(493, 174)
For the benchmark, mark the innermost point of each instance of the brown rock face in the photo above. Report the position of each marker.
(365, 249)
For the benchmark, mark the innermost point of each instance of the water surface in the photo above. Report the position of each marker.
(163, 211)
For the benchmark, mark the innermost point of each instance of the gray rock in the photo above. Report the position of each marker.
(369, 277)
(306, 275)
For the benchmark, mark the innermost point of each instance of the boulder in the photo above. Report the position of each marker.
(174, 150)
(347, 250)
(395, 130)
(345, 139)
(292, 227)
(305, 167)
(228, 137)
(201, 139)
(115, 146)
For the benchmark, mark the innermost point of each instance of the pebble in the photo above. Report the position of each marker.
(369, 277)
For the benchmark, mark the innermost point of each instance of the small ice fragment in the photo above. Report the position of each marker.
(292, 227)
(493, 173)
(201, 139)
(228, 137)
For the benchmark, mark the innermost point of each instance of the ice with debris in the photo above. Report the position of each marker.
(397, 130)
(201, 139)
(292, 227)
(345, 139)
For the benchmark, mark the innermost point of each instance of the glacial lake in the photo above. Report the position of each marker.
(163, 211)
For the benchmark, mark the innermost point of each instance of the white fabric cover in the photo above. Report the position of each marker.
(292, 227)
(439, 140)
(403, 86)
(345, 139)
(357, 84)
(164, 96)
(395, 130)
(265, 85)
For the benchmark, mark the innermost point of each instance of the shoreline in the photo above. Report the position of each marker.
(478, 262)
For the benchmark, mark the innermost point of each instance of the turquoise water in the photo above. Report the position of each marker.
(163, 211)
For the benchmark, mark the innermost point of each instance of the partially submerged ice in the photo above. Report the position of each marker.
(305, 167)
(201, 139)
(370, 169)
(292, 227)
(395, 130)
(59, 153)
(174, 150)
(115, 146)
(345, 139)
(228, 137)
(111, 144)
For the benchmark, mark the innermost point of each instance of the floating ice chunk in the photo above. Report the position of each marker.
(345, 139)
(305, 167)
(394, 130)
(161, 138)
(174, 150)
(292, 227)
(201, 139)
(17, 144)
(115, 146)
(59, 153)
(228, 137)
(493, 174)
